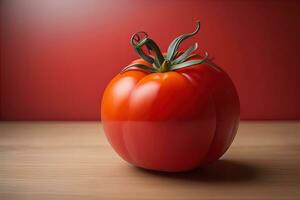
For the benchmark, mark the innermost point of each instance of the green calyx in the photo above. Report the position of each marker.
(164, 63)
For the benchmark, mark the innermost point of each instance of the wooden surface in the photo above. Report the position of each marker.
(72, 160)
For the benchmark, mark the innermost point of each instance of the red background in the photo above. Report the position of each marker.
(58, 55)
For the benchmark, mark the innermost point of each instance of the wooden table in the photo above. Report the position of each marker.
(72, 160)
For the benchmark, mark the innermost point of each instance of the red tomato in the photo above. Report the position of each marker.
(171, 121)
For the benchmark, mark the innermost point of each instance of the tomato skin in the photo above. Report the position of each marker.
(172, 121)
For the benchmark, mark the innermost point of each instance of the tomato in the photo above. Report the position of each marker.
(170, 120)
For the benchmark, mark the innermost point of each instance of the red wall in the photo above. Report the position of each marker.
(58, 55)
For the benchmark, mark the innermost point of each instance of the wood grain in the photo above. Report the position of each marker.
(72, 160)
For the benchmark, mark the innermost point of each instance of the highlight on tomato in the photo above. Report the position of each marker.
(172, 111)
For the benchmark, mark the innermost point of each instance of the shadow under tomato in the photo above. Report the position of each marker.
(219, 171)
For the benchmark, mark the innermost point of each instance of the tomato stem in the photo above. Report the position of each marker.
(172, 60)
(165, 66)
